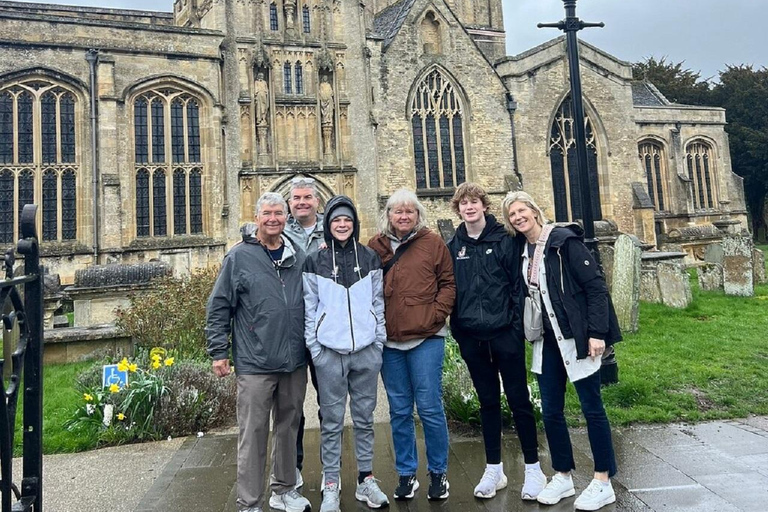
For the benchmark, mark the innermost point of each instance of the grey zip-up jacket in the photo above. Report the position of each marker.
(262, 306)
(308, 243)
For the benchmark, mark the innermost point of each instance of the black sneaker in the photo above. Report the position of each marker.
(438, 486)
(407, 487)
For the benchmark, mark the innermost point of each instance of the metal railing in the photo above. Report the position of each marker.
(22, 323)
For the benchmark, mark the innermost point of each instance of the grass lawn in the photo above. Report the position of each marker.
(59, 400)
(707, 361)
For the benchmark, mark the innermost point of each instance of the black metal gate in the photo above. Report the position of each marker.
(22, 312)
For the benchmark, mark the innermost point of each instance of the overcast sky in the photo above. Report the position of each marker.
(706, 34)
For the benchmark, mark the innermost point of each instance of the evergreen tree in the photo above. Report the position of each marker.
(679, 85)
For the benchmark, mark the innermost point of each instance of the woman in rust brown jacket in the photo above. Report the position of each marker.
(419, 292)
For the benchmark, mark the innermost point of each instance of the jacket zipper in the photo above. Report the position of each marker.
(319, 323)
(351, 328)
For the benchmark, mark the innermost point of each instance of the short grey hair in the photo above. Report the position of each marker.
(271, 199)
(523, 197)
(402, 197)
(304, 182)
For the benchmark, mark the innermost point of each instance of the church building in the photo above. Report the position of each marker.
(150, 135)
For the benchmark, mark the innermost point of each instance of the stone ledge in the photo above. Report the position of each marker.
(73, 344)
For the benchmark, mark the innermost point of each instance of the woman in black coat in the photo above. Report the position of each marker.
(578, 324)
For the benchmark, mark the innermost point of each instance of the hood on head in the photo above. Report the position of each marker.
(332, 204)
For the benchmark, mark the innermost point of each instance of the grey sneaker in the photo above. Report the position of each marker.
(330, 498)
(252, 509)
(595, 496)
(370, 492)
(290, 501)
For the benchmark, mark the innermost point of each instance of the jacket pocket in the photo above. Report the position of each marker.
(418, 317)
(319, 323)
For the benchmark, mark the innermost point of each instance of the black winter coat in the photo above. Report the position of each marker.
(489, 294)
(577, 289)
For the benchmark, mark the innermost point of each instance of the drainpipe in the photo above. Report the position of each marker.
(511, 108)
(92, 56)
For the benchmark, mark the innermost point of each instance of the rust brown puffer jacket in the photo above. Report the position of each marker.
(419, 290)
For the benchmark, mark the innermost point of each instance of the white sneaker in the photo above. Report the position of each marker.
(493, 480)
(535, 481)
(299, 479)
(330, 498)
(595, 496)
(370, 493)
(558, 488)
(290, 501)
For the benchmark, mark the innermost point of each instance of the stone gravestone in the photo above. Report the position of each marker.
(737, 266)
(710, 277)
(674, 286)
(446, 229)
(714, 254)
(625, 286)
(758, 266)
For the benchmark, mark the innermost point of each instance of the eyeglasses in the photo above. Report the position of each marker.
(301, 180)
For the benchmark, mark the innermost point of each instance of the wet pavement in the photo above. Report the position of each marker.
(713, 467)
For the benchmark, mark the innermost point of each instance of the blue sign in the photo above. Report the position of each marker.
(111, 375)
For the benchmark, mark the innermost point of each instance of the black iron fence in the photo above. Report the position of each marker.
(21, 306)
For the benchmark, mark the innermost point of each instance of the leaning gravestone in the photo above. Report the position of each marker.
(737, 266)
(758, 266)
(625, 286)
(674, 286)
(710, 277)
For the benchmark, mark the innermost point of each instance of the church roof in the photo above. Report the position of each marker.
(645, 94)
(388, 22)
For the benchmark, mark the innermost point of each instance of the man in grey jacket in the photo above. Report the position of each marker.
(305, 225)
(258, 302)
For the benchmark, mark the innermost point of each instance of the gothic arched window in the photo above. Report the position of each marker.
(653, 160)
(287, 84)
(438, 133)
(701, 171)
(299, 72)
(273, 24)
(38, 157)
(306, 19)
(177, 112)
(565, 175)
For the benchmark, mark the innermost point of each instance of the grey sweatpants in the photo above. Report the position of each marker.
(337, 375)
(257, 395)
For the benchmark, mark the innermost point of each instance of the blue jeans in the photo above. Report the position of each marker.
(552, 383)
(416, 376)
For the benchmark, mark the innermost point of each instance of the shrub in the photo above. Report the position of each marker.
(163, 398)
(171, 314)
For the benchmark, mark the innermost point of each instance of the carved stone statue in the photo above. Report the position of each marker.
(325, 94)
(261, 95)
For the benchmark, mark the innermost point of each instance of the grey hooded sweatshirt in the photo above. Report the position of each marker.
(261, 305)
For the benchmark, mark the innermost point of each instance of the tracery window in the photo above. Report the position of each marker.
(653, 160)
(299, 73)
(701, 171)
(438, 133)
(307, 21)
(38, 162)
(168, 163)
(563, 161)
(273, 24)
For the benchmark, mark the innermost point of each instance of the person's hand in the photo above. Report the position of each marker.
(322, 246)
(221, 368)
(596, 347)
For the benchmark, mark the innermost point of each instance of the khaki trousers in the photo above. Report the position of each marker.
(257, 395)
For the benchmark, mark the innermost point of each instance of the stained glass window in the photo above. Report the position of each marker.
(25, 128)
(307, 21)
(67, 124)
(142, 203)
(287, 79)
(159, 211)
(273, 24)
(141, 131)
(701, 172)
(68, 205)
(6, 128)
(653, 160)
(195, 201)
(193, 130)
(158, 131)
(6, 206)
(564, 166)
(177, 131)
(179, 202)
(48, 123)
(299, 78)
(50, 206)
(438, 136)
(26, 189)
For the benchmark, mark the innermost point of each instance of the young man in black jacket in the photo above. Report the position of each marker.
(487, 323)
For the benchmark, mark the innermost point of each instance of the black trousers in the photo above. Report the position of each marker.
(486, 360)
(300, 436)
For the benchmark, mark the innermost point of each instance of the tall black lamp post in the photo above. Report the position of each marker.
(571, 25)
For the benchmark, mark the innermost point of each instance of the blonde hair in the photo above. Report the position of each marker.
(402, 197)
(469, 190)
(523, 197)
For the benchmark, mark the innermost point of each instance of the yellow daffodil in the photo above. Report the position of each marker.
(133, 367)
(156, 364)
(122, 367)
(88, 397)
(169, 361)
(120, 416)
(156, 357)
(114, 388)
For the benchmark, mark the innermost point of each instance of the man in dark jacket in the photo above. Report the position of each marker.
(487, 323)
(258, 301)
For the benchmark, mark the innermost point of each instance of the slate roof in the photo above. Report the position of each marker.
(388, 22)
(645, 94)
